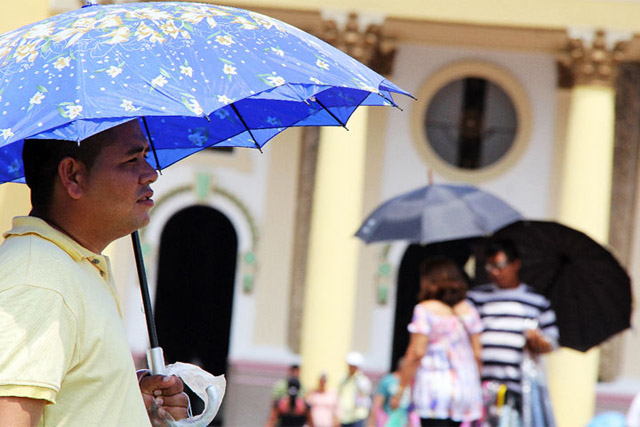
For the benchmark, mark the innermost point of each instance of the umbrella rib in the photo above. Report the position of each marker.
(153, 148)
(390, 101)
(235, 110)
(332, 115)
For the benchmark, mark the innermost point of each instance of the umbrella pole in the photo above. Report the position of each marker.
(155, 358)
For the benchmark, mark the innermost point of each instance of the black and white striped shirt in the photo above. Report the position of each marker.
(506, 314)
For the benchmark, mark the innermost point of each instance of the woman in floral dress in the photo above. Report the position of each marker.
(442, 359)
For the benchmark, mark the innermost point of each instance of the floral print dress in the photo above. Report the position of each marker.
(447, 383)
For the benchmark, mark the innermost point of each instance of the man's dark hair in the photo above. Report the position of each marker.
(41, 158)
(293, 370)
(502, 245)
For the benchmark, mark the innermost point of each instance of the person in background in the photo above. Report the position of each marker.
(354, 394)
(291, 410)
(280, 388)
(64, 357)
(384, 400)
(515, 318)
(441, 358)
(324, 404)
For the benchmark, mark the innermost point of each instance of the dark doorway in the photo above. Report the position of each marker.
(409, 283)
(194, 297)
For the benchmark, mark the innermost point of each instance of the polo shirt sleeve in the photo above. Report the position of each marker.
(37, 341)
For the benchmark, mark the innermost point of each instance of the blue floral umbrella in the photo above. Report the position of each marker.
(200, 75)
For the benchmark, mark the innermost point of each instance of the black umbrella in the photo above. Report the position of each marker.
(588, 289)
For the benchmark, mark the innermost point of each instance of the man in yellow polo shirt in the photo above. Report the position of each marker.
(64, 357)
(354, 394)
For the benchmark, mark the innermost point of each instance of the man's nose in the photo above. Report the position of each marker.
(149, 174)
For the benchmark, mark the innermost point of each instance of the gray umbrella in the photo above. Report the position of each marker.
(436, 213)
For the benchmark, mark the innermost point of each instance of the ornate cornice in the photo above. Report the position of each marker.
(369, 46)
(591, 62)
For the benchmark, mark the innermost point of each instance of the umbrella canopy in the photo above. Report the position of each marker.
(200, 75)
(588, 289)
(437, 212)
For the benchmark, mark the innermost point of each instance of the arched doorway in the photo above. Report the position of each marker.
(194, 296)
(409, 283)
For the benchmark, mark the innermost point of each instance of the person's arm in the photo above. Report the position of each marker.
(273, 416)
(472, 323)
(419, 329)
(537, 343)
(20, 411)
(544, 337)
(476, 347)
(415, 352)
(165, 392)
(376, 406)
(25, 341)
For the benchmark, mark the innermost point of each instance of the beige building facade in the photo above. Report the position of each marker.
(295, 286)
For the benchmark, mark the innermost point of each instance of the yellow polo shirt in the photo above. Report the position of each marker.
(61, 334)
(354, 398)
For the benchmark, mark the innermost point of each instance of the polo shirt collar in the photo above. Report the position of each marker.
(23, 225)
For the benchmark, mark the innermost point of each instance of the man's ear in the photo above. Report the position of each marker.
(72, 174)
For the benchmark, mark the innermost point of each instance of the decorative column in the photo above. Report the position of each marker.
(307, 164)
(585, 199)
(331, 278)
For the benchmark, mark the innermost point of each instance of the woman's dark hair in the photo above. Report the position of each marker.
(293, 389)
(441, 279)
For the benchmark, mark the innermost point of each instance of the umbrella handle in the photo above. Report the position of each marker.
(155, 360)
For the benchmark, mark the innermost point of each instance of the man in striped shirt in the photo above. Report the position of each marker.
(514, 317)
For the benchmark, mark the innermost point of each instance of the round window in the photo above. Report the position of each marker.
(471, 123)
(472, 120)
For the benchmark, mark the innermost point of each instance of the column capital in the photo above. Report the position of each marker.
(360, 37)
(591, 57)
